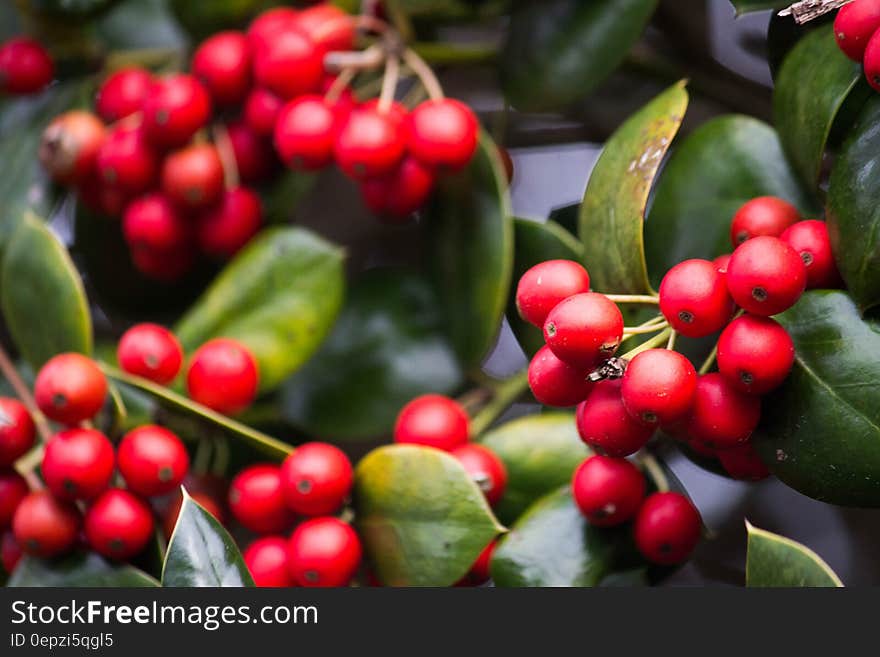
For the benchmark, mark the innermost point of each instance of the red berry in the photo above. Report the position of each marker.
(316, 478)
(721, 416)
(604, 424)
(266, 559)
(265, 26)
(254, 157)
(78, 464)
(323, 552)
(608, 491)
(765, 215)
(126, 161)
(742, 462)
(101, 198)
(69, 147)
(546, 285)
(721, 263)
(123, 93)
(223, 376)
(209, 503)
(370, 144)
(584, 329)
(17, 431)
(443, 133)
(766, 276)
(344, 104)
(328, 26)
(659, 386)
(152, 460)
(224, 229)
(10, 552)
(164, 266)
(256, 499)
(261, 111)
(289, 65)
(70, 388)
(44, 526)
(854, 25)
(13, 489)
(305, 132)
(810, 240)
(694, 298)
(153, 224)
(479, 572)
(25, 66)
(667, 528)
(223, 64)
(755, 354)
(150, 351)
(397, 195)
(193, 176)
(485, 468)
(555, 382)
(434, 421)
(176, 108)
(118, 524)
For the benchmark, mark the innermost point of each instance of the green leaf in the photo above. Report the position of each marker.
(284, 195)
(558, 51)
(387, 347)
(279, 297)
(201, 19)
(822, 437)
(540, 452)
(813, 83)
(138, 24)
(721, 165)
(613, 212)
(423, 521)
(470, 237)
(201, 552)
(42, 295)
(77, 570)
(745, 6)
(774, 560)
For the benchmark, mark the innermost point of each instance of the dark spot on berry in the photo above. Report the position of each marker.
(360, 169)
(759, 294)
(665, 548)
(312, 576)
(33, 545)
(649, 417)
(116, 545)
(165, 473)
(686, 316)
(741, 237)
(304, 486)
(551, 329)
(152, 361)
(609, 347)
(193, 194)
(807, 257)
(746, 378)
(69, 486)
(162, 116)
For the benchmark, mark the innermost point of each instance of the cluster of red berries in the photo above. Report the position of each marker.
(25, 67)
(856, 29)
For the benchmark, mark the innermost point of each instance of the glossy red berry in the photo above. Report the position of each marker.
(13, 489)
(604, 424)
(224, 229)
(223, 64)
(556, 383)
(485, 469)
(755, 354)
(261, 110)
(607, 490)
(434, 421)
(722, 416)
(721, 263)
(443, 133)
(266, 559)
(329, 27)
(118, 524)
(25, 66)
(10, 552)
(205, 500)
(854, 25)
(546, 285)
(584, 329)
(742, 462)
(123, 93)
(17, 431)
(44, 526)
(370, 144)
(397, 195)
(667, 528)
(872, 61)
(694, 298)
(70, 388)
(78, 464)
(479, 572)
(256, 499)
(152, 460)
(765, 215)
(254, 157)
(316, 479)
(659, 386)
(125, 161)
(289, 65)
(223, 375)
(193, 176)
(305, 133)
(69, 147)
(766, 276)
(164, 266)
(154, 224)
(269, 23)
(150, 351)
(323, 552)
(810, 240)
(176, 108)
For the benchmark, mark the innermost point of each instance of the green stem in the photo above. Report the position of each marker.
(710, 360)
(655, 471)
(634, 298)
(503, 396)
(453, 54)
(654, 342)
(10, 373)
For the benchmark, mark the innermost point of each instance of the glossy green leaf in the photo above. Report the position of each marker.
(87, 569)
(776, 561)
(422, 520)
(42, 295)
(387, 347)
(279, 297)
(201, 552)
(558, 51)
(613, 212)
(540, 453)
(822, 437)
(470, 238)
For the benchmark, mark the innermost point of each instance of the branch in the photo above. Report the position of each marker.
(808, 10)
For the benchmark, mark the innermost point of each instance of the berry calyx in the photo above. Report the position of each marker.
(810, 240)
(223, 376)
(78, 464)
(256, 499)
(584, 329)
(765, 215)
(70, 388)
(118, 524)
(554, 382)
(659, 386)
(69, 147)
(667, 528)
(153, 224)
(742, 462)
(433, 421)
(17, 431)
(694, 298)
(485, 469)
(261, 110)
(605, 425)
(25, 66)
(123, 93)
(152, 460)
(766, 276)
(546, 285)
(608, 491)
(289, 64)
(721, 416)
(323, 552)
(755, 354)
(223, 64)
(443, 133)
(150, 351)
(854, 26)
(370, 144)
(176, 108)
(316, 479)
(266, 559)
(193, 176)
(305, 133)
(224, 229)
(395, 196)
(13, 489)
(126, 161)
(44, 526)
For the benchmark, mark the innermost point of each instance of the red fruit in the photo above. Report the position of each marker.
(223, 64)
(370, 144)
(305, 133)
(659, 386)
(254, 157)
(755, 354)
(164, 266)
(223, 375)
(69, 147)
(224, 229)
(193, 176)
(434, 421)
(123, 93)
(126, 161)
(608, 491)
(721, 416)
(555, 382)
(743, 463)
(810, 240)
(153, 224)
(765, 215)
(70, 388)
(397, 195)
(323, 552)
(546, 285)
(204, 500)
(721, 263)
(102, 199)
(694, 298)
(328, 26)
(266, 559)
(256, 499)
(150, 351)
(261, 111)
(854, 25)
(344, 104)
(604, 424)
(10, 552)
(265, 26)
(584, 329)
(485, 468)
(289, 65)
(13, 489)
(766, 276)
(176, 108)
(44, 526)
(443, 133)
(78, 464)
(25, 66)
(152, 460)
(479, 572)
(667, 528)
(316, 479)
(118, 524)
(17, 431)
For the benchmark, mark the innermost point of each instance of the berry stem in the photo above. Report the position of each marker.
(425, 74)
(399, 18)
(342, 80)
(221, 457)
(363, 60)
(227, 156)
(389, 83)
(24, 394)
(634, 298)
(654, 342)
(504, 394)
(655, 471)
(671, 343)
(710, 360)
(648, 327)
